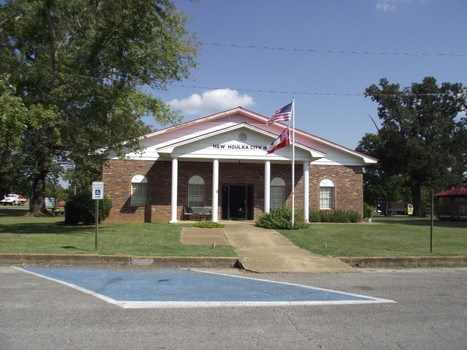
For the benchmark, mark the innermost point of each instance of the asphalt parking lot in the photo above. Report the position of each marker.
(430, 313)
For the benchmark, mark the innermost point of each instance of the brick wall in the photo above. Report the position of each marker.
(117, 176)
(348, 182)
(284, 171)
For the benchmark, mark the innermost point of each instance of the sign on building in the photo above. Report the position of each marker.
(97, 190)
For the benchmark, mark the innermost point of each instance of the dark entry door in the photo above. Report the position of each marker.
(237, 201)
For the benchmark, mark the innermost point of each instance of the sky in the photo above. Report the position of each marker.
(226, 77)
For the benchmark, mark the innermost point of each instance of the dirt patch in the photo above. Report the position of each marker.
(203, 236)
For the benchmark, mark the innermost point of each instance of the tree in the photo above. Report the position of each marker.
(378, 183)
(423, 133)
(79, 67)
(13, 121)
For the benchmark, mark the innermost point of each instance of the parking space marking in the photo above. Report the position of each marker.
(193, 289)
(378, 300)
(71, 285)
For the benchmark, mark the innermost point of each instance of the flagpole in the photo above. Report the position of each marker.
(293, 161)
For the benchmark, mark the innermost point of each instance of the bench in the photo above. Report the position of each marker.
(197, 213)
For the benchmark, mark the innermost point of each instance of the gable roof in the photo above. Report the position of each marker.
(169, 146)
(217, 115)
(313, 140)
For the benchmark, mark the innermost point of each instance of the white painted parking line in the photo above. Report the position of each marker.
(373, 299)
(71, 285)
(208, 304)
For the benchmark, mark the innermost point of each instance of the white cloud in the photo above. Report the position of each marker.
(386, 5)
(393, 5)
(211, 101)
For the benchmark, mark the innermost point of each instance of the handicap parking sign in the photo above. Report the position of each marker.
(97, 190)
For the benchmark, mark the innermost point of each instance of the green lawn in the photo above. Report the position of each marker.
(383, 237)
(23, 234)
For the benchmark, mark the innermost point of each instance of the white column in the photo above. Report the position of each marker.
(267, 186)
(306, 190)
(174, 190)
(215, 190)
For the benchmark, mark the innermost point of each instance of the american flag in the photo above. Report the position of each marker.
(282, 114)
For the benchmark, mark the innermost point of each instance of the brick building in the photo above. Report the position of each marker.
(217, 167)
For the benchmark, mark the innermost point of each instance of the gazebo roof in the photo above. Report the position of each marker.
(454, 192)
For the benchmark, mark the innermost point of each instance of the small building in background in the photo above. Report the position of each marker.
(452, 204)
(389, 208)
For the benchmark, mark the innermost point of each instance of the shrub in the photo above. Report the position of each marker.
(367, 211)
(326, 215)
(208, 224)
(280, 219)
(315, 216)
(354, 216)
(80, 209)
(334, 216)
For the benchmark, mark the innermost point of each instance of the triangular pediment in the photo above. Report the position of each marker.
(238, 141)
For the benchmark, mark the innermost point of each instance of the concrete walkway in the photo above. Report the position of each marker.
(263, 250)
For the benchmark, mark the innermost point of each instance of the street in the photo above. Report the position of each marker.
(430, 313)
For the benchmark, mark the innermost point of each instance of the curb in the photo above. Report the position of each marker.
(405, 261)
(219, 262)
(121, 260)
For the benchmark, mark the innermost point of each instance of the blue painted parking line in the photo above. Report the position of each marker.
(191, 288)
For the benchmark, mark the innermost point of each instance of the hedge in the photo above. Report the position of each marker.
(80, 209)
(335, 216)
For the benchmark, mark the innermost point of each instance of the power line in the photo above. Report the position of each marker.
(271, 91)
(334, 51)
(309, 93)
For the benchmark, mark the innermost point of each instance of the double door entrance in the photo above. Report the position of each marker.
(237, 201)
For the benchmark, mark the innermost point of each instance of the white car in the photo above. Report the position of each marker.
(13, 199)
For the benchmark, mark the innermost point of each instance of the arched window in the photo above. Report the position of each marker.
(196, 191)
(326, 194)
(139, 190)
(277, 193)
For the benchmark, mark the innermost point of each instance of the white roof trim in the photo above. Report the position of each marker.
(138, 155)
(183, 140)
(195, 134)
(366, 159)
(206, 118)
